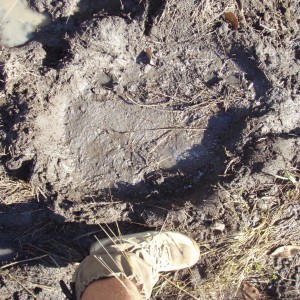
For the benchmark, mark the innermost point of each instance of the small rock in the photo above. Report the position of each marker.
(218, 226)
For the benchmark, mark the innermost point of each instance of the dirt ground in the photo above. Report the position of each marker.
(136, 115)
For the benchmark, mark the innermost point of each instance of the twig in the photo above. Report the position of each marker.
(8, 12)
(22, 285)
(22, 261)
(180, 288)
(151, 106)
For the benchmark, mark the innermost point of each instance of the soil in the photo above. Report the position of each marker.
(144, 113)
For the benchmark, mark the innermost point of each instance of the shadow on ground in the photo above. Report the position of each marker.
(33, 230)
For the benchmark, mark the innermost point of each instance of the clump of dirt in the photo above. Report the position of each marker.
(151, 112)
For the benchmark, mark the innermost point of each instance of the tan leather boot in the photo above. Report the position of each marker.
(139, 257)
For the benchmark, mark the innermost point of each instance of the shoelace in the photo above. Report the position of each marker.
(161, 253)
(70, 294)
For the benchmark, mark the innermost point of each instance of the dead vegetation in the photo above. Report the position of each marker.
(245, 256)
(243, 262)
(13, 191)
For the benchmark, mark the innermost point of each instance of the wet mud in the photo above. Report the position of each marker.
(137, 112)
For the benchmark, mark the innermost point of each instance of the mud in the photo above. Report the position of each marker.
(105, 133)
(117, 121)
(18, 22)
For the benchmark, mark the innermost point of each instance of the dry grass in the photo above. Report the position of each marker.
(14, 191)
(245, 256)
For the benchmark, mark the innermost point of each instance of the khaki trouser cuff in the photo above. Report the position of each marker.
(132, 266)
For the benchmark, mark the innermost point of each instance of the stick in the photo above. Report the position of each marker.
(22, 261)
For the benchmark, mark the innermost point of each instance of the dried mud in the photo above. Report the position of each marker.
(105, 133)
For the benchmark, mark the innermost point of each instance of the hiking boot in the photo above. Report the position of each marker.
(139, 257)
(171, 250)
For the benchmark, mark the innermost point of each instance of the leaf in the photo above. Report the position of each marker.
(286, 251)
(149, 53)
(231, 18)
(250, 292)
(292, 179)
